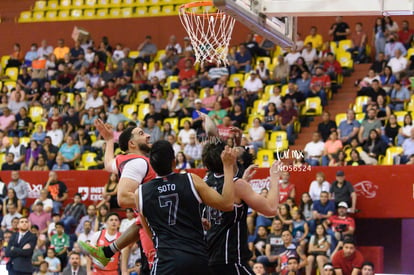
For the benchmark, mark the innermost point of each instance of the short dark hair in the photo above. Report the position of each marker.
(293, 258)
(161, 157)
(35, 227)
(74, 253)
(110, 215)
(78, 195)
(367, 263)
(60, 224)
(212, 156)
(349, 240)
(124, 138)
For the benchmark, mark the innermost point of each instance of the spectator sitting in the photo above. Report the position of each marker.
(355, 159)
(405, 131)
(55, 134)
(256, 135)
(373, 148)
(327, 126)
(238, 117)
(392, 46)
(359, 41)
(6, 223)
(398, 63)
(41, 164)
(343, 191)
(319, 246)
(193, 150)
(274, 245)
(346, 258)
(73, 213)
(314, 150)
(39, 135)
(7, 120)
(281, 71)
(258, 245)
(11, 198)
(20, 186)
(332, 147)
(408, 148)
(126, 222)
(289, 251)
(309, 54)
(47, 203)
(287, 118)
(391, 131)
(60, 243)
(349, 128)
(217, 114)
(32, 155)
(209, 99)
(57, 190)
(39, 217)
(303, 83)
(70, 152)
(60, 165)
(110, 191)
(243, 60)
(9, 164)
(185, 133)
(181, 162)
(332, 67)
(276, 98)
(371, 122)
(263, 72)
(153, 130)
(318, 186)
(399, 96)
(89, 217)
(295, 95)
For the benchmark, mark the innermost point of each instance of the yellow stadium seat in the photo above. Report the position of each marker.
(277, 141)
(168, 10)
(25, 141)
(70, 98)
(203, 93)
(87, 160)
(284, 89)
(268, 91)
(410, 106)
(89, 14)
(25, 16)
(102, 3)
(339, 118)
(265, 158)
(102, 13)
(344, 45)
(2, 158)
(233, 78)
(133, 54)
(77, 4)
(360, 101)
(410, 52)
(154, 10)
(141, 2)
(51, 15)
(143, 109)
(115, 13)
(275, 61)
(159, 55)
(400, 117)
(360, 117)
(141, 11)
(345, 59)
(43, 123)
(141, 96)
(76, 14)
(169, 2)
(259, 106)
(265, 59)
(153, 2)
(38, 16)
(12, 73)
(390, 154)
(63, 15)
(67, 4)
(128, 109)
(36, 113)
(130, 3)
(52, 4)
(171, 79)
(334, 47)
(174, 123)
(90, 4)
(313, 107)
(40, 5)
(184, 119)
(4, 60)
(115, 3)
(126, 12)
(348, 152)
(10, 84)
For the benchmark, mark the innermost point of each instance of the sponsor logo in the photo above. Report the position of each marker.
(34, 190)
(90, 193)
(366, 189)
(259, 184)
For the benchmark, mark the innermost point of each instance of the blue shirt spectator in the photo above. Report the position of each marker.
(399, 95)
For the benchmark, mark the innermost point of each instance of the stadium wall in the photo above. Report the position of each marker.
(385, 198)
(131, 32)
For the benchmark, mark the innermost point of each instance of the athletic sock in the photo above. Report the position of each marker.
(110, 250)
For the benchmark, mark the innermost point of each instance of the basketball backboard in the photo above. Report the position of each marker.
(276, 19)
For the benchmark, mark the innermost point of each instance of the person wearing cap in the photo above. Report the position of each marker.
(328, 269)
(343, 191)
(340, 225)
(346, 259)
(147, 50)
(253, 86)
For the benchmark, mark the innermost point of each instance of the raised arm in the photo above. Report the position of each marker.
(267, 206)
(106, 132)
(209, 196)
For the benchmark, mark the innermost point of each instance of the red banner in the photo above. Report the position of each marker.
(383, 191)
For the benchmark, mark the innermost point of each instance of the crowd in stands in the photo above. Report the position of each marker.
(47, 123)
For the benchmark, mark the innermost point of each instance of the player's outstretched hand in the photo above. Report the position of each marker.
(250, 172)
(228, 156)
(104, 129)
(276, 169)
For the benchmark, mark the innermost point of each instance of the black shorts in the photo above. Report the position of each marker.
(177, 262)
(230, 269)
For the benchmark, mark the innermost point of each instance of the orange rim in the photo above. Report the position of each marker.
(190, 5)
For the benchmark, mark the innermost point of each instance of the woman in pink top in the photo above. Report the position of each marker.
(332, 146)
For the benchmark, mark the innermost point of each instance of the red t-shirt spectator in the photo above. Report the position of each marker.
(110, 92)
(285, 192)
(332, 67)
(287, 115)
(347, 264)
(187, 74)
(224, 131)
(336, 221)
(323, 80)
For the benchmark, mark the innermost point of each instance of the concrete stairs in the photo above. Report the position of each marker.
(339, 104)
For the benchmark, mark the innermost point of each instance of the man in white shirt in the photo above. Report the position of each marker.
(87, 233)
(253, 86)
(95, 101)
(130, 219)
(6, 223)
(44, 50)
(314, 150)
(56, 134)
(157, 72)
(292, 56)
(177, 148)
(398, 63)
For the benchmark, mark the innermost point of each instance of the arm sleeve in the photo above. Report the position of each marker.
(113, 166)
(135, 169)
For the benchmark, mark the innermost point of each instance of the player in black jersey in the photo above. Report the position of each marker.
(172, 207)
(227, 236)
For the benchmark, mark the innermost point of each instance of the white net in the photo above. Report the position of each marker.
(209, 31)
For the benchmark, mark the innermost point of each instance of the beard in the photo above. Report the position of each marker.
(144, 148)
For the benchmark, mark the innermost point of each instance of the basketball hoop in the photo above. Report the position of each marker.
(209, 30)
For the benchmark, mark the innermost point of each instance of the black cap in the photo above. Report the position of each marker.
(340, 173)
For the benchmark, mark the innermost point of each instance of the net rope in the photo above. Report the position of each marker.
(209, 33)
